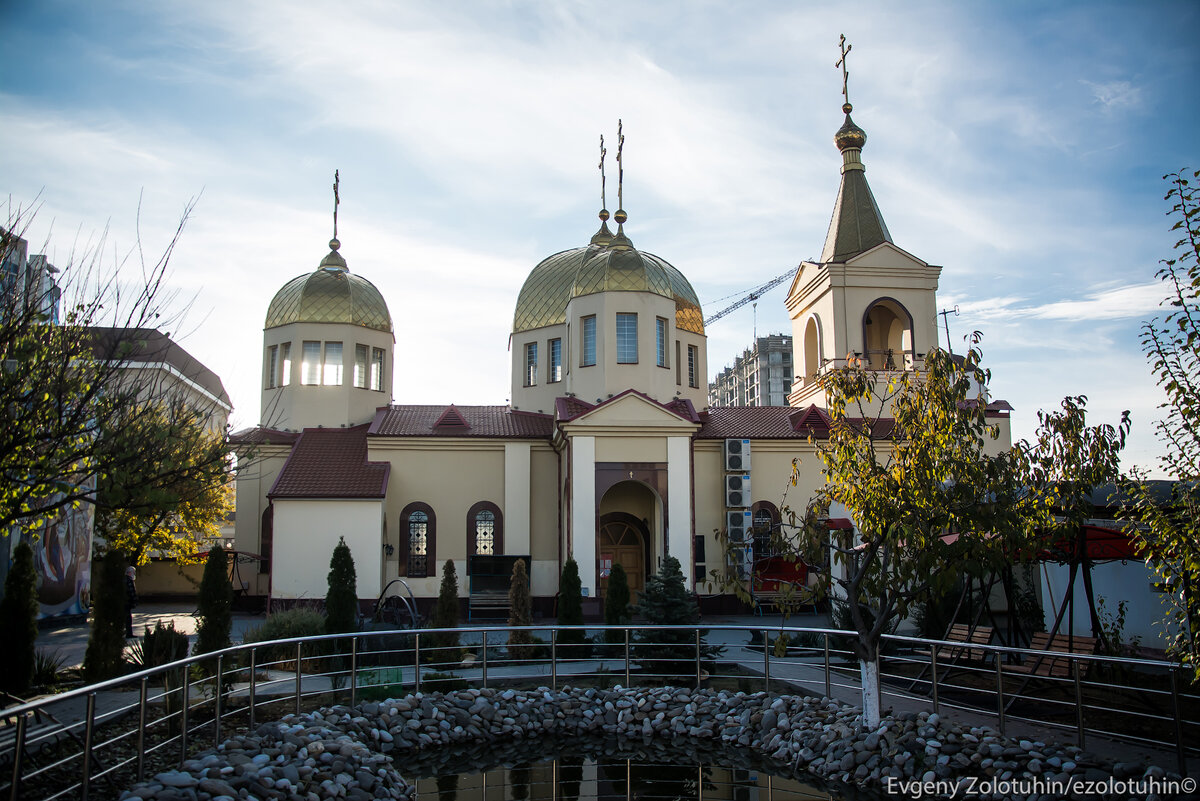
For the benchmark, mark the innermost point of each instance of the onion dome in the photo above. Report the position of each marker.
(849, 135)
(330, 294)
(610, 263)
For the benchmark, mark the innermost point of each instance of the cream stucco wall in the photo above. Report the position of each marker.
(257, 471)
(306, 532)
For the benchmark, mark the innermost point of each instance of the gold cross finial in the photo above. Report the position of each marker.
(841, 62)
(603, 154)
(336, 201)
(620, 168)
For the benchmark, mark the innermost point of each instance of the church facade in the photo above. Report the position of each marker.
(608, 453)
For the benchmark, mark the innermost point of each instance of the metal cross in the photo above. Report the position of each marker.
(336, 201)
(603, 155)
(841, 62)
(620, 167)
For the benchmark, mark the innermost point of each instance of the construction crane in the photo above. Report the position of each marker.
(755, 294)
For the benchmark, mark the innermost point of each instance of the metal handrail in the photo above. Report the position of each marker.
(237, 659)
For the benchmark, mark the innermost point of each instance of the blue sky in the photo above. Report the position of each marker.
(1020, 145)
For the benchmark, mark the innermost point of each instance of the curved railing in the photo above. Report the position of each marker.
(116, 732)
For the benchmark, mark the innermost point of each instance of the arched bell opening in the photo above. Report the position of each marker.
(888, 336)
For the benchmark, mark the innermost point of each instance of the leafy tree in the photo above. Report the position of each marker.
(106, 642)
(18, 622)
(910, 480)
(341, 600)
(215, 604)
(616, 604)
(1169, 537)
(666, 601)
(445, 614)
(520, 612)
(57, 377)
(166, 481)
(570, 610)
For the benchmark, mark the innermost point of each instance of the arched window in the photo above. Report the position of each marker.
(764, 519)
(485, 530)
(418, 529)
(812, 349)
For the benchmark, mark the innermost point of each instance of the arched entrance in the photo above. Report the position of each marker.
(624, 540)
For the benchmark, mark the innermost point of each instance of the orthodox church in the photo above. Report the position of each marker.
(608, 452)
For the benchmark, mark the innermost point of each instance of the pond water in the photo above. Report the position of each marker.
(586, 768)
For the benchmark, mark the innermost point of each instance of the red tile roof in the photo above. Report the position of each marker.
(498, 422)
(772, 422)
(331, 463)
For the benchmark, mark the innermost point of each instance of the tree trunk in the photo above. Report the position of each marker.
(870, 692)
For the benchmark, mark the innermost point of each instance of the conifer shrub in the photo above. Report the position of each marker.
(215, 604)
(616, 604)
(572, 642)
(106, 642)
(445, 616)
(341, 601)
(669, 654)
(18, 622)
(521, 644)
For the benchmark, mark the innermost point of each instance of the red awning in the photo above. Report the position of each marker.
(1101, 544)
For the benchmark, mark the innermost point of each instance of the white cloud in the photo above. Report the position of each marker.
(1115, 95)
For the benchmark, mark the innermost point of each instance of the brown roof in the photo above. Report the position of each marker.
(499, 422)
(331, 463)
(147, 345)
(772, 422)
(258, 435)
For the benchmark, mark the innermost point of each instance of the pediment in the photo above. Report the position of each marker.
(888, 256)
(630, 410)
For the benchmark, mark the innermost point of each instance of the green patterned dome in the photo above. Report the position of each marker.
(612, 266)
(330, 294)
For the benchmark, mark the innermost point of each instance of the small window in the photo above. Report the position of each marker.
(310, 369)
(377, 369)
(587, 343)
(555, 360)
(678, 366)
(627, 339)
(530, 364)
(332, 374)
(485, 529)
(360, 366)
(660, 341)
(285, 360)
(692, 355)
(272, 365)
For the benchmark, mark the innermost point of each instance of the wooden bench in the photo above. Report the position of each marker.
(487, 604)
(962, 632)
(785, 593)
(1054, 666)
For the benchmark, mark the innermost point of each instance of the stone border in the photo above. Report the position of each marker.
(350, 752)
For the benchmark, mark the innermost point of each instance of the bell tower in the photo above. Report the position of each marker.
(866, 298)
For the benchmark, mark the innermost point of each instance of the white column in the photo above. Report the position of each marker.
(679, 504)
(583, 511)
(516, 498)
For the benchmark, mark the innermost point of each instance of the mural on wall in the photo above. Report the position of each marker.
(62, 558)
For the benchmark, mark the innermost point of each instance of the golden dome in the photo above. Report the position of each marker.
(849, 135)
(612, 267)
(330, 294)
